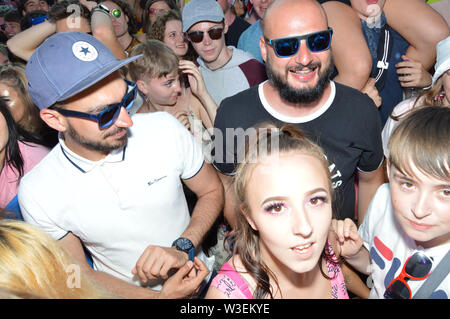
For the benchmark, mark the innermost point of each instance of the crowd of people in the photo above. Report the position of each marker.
(229, 149)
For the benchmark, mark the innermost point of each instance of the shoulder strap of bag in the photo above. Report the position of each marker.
(432, 282)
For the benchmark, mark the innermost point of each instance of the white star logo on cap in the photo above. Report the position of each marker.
(84, 51)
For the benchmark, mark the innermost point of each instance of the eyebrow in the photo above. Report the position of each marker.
(399, 175)
(100, 108)
(308, 193)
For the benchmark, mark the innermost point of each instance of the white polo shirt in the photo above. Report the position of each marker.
(121, 204)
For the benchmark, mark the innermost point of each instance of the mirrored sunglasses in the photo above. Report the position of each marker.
(289, 46)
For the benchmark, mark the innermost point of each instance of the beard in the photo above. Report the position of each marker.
(102, 145)
(304, 95)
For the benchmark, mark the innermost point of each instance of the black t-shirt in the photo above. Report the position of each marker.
(347, 127)
(235, 30)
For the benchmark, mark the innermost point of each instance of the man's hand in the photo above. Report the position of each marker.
(156, 261)
(88, 4)
(185, 281)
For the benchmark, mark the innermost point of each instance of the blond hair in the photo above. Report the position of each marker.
(422, 138)
(33, 264)
(158, 60)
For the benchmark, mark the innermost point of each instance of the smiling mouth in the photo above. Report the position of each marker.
(304, 73)
(302, 248)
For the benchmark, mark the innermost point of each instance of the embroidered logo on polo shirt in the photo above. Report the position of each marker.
(84, 51)
(155, 180)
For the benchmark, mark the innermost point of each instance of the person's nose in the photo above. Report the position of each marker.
(124, 119)
(422, 206)
(206, 39)
(301, 225)
(304, 56)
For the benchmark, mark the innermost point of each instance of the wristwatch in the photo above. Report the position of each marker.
(185, 245)
(101, 7)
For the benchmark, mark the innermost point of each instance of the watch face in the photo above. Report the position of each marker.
(184, 244)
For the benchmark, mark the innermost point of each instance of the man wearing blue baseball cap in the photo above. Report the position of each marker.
(113, 183)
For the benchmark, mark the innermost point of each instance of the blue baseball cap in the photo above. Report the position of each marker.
(66, 64)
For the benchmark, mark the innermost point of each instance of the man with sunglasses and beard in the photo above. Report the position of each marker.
(113, 183)
(343, 121)
(226, 70)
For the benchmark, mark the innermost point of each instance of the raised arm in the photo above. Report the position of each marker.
(103, 30)
(198, 88)
(350, 52)
(24, 43)
(420, 25)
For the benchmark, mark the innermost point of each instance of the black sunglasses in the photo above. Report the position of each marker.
(417, 267)
(109, 115)
(197, 36)
(289, 46)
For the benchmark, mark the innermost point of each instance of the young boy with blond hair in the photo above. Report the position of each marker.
(406, 229)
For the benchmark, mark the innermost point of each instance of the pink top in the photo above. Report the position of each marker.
(9, 179)
(234, 286)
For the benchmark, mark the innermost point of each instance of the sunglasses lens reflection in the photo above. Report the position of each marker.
(286, 47)
(319, 42)
(397, 290)
(109, 116)
(418, 266)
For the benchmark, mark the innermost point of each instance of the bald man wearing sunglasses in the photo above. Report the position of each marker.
(345, 122)
(113, 183)
(226, 70)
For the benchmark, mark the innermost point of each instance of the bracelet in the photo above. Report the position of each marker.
(427, 88)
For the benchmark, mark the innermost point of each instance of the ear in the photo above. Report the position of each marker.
(263, 48)
(248, 218)
(54, 119)
(388, 168)
(225, 27)
(142, 86)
